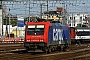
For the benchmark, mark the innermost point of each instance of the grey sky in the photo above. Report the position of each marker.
(22, 8)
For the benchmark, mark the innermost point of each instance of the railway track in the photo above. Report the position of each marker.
(8, 47)
(46, 55)
(74, 52)
(85, 56)
(15, 46)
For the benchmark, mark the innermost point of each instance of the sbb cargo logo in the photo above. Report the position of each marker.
(57, 34)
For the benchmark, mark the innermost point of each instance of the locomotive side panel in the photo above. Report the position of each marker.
(59, 35)
(55, 35)
(66, 35)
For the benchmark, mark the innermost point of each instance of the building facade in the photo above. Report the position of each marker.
(78, 20)
(0, 22)
(57, 15)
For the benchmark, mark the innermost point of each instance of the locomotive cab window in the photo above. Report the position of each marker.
(35, 30)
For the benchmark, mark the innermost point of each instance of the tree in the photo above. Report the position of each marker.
(13, 22)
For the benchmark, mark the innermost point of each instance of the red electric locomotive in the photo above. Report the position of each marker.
(46, 36)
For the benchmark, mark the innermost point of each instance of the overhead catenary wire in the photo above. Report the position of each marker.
(34, 2)
(77, 4)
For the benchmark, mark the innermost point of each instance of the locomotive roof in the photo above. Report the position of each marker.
(49, 23)
(57, 24)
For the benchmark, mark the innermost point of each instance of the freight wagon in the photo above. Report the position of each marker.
(46, 36)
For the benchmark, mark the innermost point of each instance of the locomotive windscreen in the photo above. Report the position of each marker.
(35, 30)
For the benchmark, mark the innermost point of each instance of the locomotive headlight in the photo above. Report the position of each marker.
(41, 40)
(28, 40)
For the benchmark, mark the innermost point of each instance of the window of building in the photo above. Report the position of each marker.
(70, 18)
(70, 24)
(52, 16)
(74, 18)
(56, 15)
(49, 16)
(78, 14)
(80, 19)
(0, 6)
(44, 16)
(84, 19)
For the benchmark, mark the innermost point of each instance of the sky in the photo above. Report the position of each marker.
(22, 8)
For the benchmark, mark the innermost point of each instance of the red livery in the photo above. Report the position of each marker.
(36, 34)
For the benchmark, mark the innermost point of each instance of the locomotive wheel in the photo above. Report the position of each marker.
(27, 49)
(62, 47)
(59, 48)
(49, 50)
(46, 50)
(52, 49)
